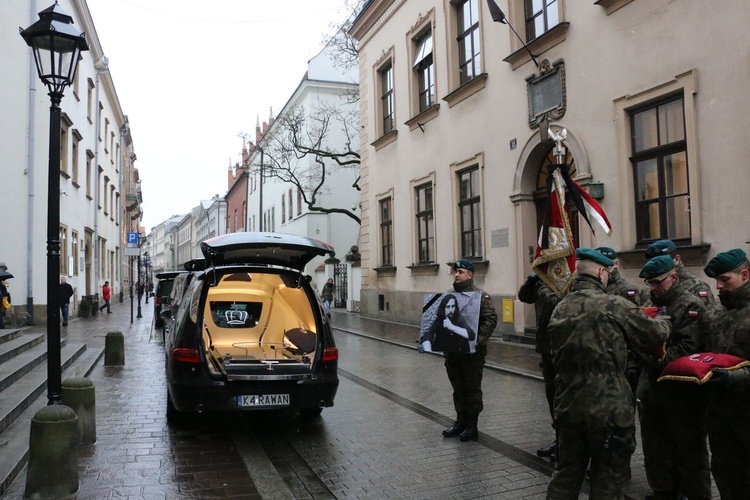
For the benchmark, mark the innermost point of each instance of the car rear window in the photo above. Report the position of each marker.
(164, 288)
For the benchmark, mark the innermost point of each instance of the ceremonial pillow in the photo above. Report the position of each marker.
(697, 367)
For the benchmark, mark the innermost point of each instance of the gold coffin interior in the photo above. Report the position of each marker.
(256, 320)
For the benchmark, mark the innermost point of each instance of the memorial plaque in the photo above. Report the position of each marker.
(546, 93)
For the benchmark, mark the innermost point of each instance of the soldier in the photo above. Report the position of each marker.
(618, 285)
(673, 414)
(690, 281)
(535, 291)
(465, 369)
(728, 331)
(590, 332)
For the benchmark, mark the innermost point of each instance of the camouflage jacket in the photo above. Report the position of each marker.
(686, 311)
(544, 300)
(727, 330)
(590, 332)
(487, 314)
(691, 283)
(618, 285)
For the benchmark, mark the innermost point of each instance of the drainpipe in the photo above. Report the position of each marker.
(31, 145)
(101, 66)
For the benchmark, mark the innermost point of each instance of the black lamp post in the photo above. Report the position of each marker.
(139, 290)
(57, 47)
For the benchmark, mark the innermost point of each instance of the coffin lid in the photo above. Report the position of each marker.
(279, 249)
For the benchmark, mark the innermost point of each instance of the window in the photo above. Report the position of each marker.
(660, 170)
(90, 105)
(425, 224)
(106, 133)
(65, 124)
(64, 250)
(291, 204)
(425, 71)
(283, 209)
(74, 252)
(469, 212)
(89, 166)
(541, 16)
(299, 201)
(386, 232)
(469, 54)
(77, 137)
(386, 97)
(104, 201)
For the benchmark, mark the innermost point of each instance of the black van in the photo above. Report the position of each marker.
(249, 332)
(161, 295)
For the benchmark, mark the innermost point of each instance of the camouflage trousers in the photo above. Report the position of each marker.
(609, 452)
(465, 375)
(675, 452)
(729, 436)
(548, 373)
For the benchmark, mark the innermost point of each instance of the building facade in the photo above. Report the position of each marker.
(455, 113)
(96, 168)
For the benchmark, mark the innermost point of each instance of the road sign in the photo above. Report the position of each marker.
(132, 238)
(132, 251)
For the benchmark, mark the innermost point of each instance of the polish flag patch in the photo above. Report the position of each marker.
(692, 313)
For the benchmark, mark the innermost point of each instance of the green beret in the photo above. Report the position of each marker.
(657, 266)
(463, 264)
(607, 252)
(661, 247)
(725, 262)
(584, 253)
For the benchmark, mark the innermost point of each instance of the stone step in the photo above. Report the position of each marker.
(9, 334)
(14, 347)
(20, 402)
(15, 368)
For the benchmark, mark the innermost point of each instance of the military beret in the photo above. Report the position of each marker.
(657, 266)
(725, 262)
(607, 252)
(584, 253)
(661, 247)
(463, 264)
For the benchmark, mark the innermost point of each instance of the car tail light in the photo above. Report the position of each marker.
(185, 355)
(330, 354)
(157, 302)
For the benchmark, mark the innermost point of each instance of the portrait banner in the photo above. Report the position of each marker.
(450, 322)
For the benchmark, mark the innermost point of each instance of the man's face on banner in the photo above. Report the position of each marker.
(450, 308)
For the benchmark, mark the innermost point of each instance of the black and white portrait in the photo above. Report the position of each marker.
(450, 322)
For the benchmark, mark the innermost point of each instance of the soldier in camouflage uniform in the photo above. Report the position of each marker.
(590, 332)
(464, 369)
(535, 291)
(691, 282)
(673, 414)
(728, 331)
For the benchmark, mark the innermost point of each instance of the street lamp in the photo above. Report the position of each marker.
(57, 47)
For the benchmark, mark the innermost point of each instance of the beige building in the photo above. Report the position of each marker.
(652, 93)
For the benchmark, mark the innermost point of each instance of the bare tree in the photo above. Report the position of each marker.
(297, 136)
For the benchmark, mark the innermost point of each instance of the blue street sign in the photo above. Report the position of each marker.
(132, 238)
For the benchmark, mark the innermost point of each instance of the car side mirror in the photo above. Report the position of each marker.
(165, 314)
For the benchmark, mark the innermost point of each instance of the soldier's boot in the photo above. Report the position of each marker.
(659, 496)
(547, 451)
(457, 427)
(471, 432)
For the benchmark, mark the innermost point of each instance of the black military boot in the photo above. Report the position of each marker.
(470, 433)
(547, 451)
(457, 427)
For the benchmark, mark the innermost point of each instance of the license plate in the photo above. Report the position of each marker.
(263, 400)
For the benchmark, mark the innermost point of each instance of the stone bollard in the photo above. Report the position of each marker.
(79, 394)
(114, 349)
(53, 454)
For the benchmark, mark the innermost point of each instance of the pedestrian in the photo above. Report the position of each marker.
(449, 332)
(590, 332)
(673, 414)
(4, 302)
(617, 285)
(65, 292)
(537, 292)
(727, 330)
(691, 282)
(327, 295)
(465, 369)
(106, 296)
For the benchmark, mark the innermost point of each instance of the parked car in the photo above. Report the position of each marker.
(161, 294)
(249, 332)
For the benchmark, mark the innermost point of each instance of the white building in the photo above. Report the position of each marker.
(283, 209)
(96, 157)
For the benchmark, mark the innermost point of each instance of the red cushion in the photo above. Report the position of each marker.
(697, 367)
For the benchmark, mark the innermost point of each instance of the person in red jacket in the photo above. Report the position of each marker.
(106, 295)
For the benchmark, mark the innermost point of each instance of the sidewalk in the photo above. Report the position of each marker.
(510, 357)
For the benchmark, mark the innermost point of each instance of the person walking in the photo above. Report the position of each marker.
(727, 331)
(465, 369)
(4, 302)
(590, 332)
(673, 414)
(106, 296)
(537, 292)
(327, 295)
(65, 292)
